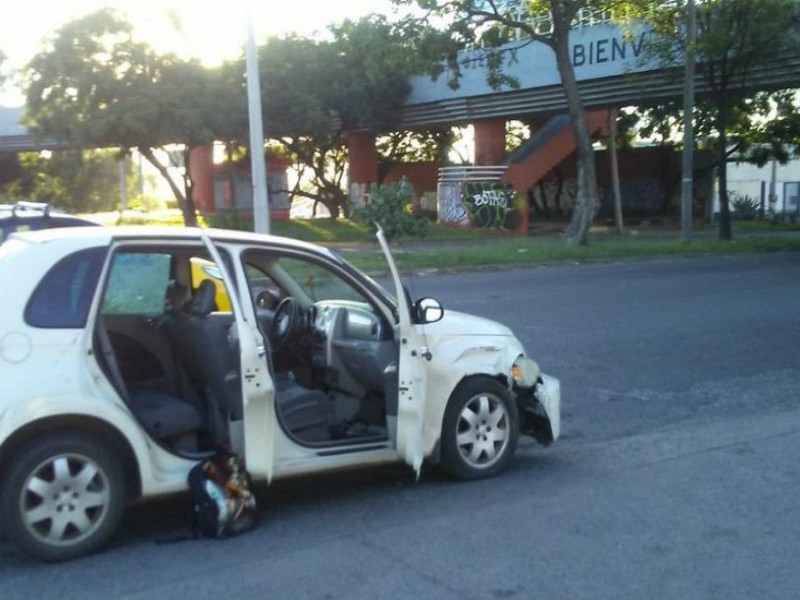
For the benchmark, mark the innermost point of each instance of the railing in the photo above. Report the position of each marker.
(477, 197)
(542, 23)
(470, 173)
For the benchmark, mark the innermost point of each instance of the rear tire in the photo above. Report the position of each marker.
(63, 496)
(479, 430)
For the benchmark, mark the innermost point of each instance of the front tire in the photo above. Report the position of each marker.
(479, 430)
(63, 496)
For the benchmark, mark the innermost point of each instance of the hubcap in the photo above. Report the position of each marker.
(483, 431)
(65, 499)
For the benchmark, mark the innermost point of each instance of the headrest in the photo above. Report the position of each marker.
(204, 299)
(175, 297)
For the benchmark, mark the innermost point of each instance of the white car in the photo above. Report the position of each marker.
(119, 373)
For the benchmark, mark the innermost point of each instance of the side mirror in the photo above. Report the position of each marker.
(428, 310)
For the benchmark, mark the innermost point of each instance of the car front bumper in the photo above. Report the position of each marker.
(540, 409)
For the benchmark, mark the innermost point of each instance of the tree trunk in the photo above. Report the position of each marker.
(230, 174)
(612, 154)
(188, 186)
(586, 197)
(189, 217)
(725, 232)
(331, 204)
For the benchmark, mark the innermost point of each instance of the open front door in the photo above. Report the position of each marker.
(411, 375)
(258, 390)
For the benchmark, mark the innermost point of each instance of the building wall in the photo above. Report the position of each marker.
(750, 180)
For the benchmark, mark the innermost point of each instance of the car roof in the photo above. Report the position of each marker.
(37, 215)
(28, 209)
(103, 235)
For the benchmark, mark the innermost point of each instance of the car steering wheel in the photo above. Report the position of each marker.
(283, 322)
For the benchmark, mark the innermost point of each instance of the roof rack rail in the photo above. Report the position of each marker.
(24, 206)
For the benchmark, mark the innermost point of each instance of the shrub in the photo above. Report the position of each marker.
(745, 208)
(391, 207)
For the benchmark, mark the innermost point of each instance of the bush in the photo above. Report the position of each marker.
(745, 208)
(391, 207)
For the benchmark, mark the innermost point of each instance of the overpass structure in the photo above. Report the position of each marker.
(612, 69)
(611, 65)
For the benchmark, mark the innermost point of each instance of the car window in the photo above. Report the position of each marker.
(203, 268)
(316, 281)
(137, 284)
(64, 295)
(261, 282)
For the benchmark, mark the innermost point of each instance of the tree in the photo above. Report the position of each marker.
(489, 22)
(315, 91)
(764, 126)
(734, 39)
(74, 180)
(3, 74)
(94, 86)
(428, 145)
(778, 136)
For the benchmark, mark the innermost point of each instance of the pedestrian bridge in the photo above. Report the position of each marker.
(611, 67)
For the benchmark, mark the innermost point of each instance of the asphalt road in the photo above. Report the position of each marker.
(677, 474)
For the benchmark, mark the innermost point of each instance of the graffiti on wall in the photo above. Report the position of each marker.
(479, 204)
(491, 204)
(640, 195)
(451, 208)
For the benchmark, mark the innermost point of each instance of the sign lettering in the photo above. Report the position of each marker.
(607, 50)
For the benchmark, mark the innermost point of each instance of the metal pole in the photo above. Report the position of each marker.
(257, 164)
(773, 197)
(123, 183)
(687, 166)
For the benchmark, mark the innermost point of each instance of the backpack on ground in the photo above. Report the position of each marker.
(222, 502)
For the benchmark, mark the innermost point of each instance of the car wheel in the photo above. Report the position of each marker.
(480, 430)
(62, 497)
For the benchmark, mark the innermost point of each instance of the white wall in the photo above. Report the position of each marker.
(753, 181)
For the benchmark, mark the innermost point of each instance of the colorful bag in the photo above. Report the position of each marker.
(222, 503)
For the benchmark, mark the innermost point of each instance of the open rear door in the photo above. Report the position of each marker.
(258, 390)
(411, 374)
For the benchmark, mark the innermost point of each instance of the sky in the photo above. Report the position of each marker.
(210, 32)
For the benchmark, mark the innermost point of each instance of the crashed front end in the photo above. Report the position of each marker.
(539, 401)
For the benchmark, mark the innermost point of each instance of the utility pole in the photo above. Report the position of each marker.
(687, 166)
(258, 167)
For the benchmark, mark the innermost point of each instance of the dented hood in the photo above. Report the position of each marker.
(458, 323)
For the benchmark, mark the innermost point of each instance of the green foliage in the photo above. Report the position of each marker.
(745, 208)
(391, 208)
(316, 90)
(736, 39)
(76, 181)
(95, 86)
(431, 144)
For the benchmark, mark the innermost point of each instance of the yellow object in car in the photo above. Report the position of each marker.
(205, 269)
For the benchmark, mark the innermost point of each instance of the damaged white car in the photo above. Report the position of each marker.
(128, 354)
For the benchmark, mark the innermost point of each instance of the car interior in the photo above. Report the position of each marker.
(173, 355)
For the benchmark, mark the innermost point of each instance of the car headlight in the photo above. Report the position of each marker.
(525, 372)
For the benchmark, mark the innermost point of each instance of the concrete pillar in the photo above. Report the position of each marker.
(363, 165)
(201, 168)
(490, 142)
